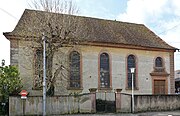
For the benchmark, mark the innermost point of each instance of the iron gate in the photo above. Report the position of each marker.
(105, 102)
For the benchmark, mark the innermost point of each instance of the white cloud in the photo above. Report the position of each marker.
(139, 11)
(176, 6)
(171, 32)
(133, 13)
(161, 16)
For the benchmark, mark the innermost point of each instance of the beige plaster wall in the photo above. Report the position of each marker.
(145, 63)
(26, 65)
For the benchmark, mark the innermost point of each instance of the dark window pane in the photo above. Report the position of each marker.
(159, 62)
(75, 84)
(104, 70)
(75, 69)
(131, 62)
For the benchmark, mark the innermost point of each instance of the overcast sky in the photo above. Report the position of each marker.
(161, 16)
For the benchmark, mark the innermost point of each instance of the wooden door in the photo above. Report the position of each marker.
(159, 87)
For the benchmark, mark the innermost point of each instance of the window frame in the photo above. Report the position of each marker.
(162, 62)
(135, 73)
(80, 71)
(159, 69)
(99, 71)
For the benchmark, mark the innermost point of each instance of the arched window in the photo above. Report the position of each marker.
(131, 63)
(38, 68)
(75, 79)
(104, 71)
(159, 62)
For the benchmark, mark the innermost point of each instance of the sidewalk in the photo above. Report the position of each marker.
(165, 113)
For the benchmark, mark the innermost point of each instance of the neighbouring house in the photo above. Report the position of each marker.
(177, 81)
(102, 57)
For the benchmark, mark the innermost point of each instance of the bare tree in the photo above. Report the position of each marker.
(61, 30)
(56, 6)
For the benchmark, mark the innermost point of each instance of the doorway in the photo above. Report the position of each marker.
(159, 87)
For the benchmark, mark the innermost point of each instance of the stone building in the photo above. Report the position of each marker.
(102, 60)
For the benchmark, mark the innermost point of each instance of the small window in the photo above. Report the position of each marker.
(75, 70)
(159, 62)
(131, 63)
(104, 71)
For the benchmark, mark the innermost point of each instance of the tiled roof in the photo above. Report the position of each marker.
(98, 30)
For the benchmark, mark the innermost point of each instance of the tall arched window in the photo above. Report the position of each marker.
(159, 62)
(75, 79)
(38, 69)
(104, 71)
(131, 63)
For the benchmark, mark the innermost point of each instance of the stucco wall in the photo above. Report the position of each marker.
(145, 102)
(86, 104)
(145, 63)
(90, 54)
(125, 103)
(26, 57)
(54, 105)
(156, 102)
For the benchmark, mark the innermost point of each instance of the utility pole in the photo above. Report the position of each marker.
(44, 74)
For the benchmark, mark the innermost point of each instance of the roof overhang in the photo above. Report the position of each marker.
(10, 36)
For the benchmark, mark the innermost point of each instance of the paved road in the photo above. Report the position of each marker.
(169, 113)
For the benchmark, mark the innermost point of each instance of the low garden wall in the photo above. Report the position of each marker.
(145, 103)
(125, 103)
(54, 105)
(156, 102)
(86, 103)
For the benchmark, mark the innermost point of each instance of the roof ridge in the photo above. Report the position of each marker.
(81, 16)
